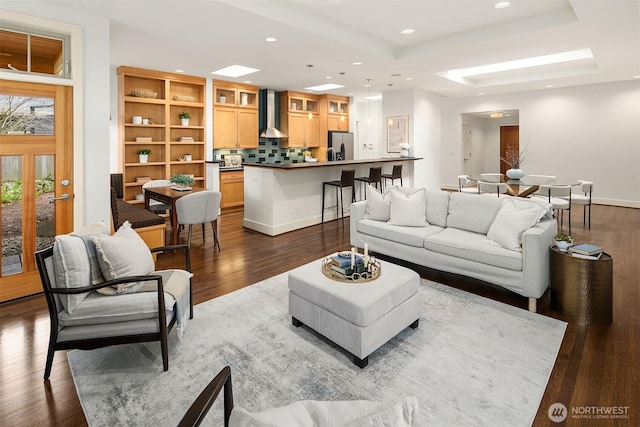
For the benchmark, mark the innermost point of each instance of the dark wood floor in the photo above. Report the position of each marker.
(597, 366)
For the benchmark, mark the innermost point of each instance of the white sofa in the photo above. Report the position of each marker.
(454, 238)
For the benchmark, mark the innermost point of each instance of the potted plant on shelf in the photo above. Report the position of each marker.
(143, 155)
(184, 118)
(516, 158)
(563, 241)
(182, 181)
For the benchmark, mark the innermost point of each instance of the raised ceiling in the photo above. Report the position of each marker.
(201, 36)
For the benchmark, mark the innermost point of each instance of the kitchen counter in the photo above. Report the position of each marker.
(302, 165)
(277, 200)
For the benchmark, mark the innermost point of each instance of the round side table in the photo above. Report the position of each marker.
(582, 289)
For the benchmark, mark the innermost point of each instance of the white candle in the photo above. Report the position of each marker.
(366, 250)
(353, 257)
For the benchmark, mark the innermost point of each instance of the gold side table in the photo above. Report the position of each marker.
(582, 289)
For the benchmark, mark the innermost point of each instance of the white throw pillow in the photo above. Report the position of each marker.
(72, 269)
(378, 205)
(121, 255)
(408, 210)
(513, 219)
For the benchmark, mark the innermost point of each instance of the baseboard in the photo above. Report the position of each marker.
(271, 230)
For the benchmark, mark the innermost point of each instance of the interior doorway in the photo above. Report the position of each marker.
(36, 164)
(509, 141)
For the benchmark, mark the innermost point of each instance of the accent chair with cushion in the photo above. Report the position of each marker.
(306, 413)
(200, 208)
(103, 290)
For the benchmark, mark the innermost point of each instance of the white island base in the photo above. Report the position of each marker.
(283, 198)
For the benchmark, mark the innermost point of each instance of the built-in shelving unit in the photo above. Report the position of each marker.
(159, 98)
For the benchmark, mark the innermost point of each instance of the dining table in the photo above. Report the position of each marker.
(169, 195)
(523, 187)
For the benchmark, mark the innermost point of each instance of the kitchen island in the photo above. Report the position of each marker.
(284, 197)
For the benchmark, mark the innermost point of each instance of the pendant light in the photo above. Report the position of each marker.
(310, 66)
(342, 90)
(390, 85)
(368, 85)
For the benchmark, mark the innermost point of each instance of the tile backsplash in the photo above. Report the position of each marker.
(268, 151)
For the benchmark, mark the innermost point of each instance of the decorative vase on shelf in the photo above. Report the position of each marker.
(185, 122)
(404, 153)
(515, 173)
(144, 158)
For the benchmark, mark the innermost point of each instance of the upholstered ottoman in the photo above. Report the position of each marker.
(359, 317)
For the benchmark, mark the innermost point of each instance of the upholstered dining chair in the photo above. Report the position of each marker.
(154, 205)
(581, 195)
(308, 412)
(396, 173)
(200, 208)
(374, 178)
(464, 185)
(560, 197)
(491, 188)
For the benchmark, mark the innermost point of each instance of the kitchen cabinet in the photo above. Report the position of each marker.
(235, 115)
(159, 98)
(337, 108)
(300, 119)
(232, 189)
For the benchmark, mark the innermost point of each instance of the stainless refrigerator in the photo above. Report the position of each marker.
(340, 146)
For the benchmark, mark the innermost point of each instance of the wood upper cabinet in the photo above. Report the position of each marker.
(300, 119)
(337, 110)
(160, 98)
(235, 115)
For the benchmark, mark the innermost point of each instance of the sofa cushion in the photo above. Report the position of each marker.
(473, 247)
(412, 236)
(512, 220)
(72, 268)
(378, 205)
(472, 212)
(408, 210)
(437, 207)
(123, 254)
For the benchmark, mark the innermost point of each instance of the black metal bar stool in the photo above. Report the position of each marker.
(396, 173)
(346, 180)
(375, 177)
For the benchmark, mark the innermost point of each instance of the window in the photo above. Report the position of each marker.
(25, 51)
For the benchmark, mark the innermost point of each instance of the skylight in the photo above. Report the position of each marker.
(321, 88)
(235, 71)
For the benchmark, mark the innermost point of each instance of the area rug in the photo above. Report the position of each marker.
(472, 361)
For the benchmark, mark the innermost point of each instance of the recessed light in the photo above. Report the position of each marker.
(179, 71)
(480, 93)
(502, 5)
(270, 39)
(408, 31)
(247, 81)
(356, 63)
(409, 78)
(636, 77)
(496, 115)
(235, 71)
(549, 86)
(320, 88)
(328, 77)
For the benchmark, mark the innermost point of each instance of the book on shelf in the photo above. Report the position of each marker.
(143, 139)
(594, 257)
(186, 139)
(140, 179)
(585, 249)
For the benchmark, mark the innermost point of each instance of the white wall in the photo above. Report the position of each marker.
(584, 132)
(91, 108)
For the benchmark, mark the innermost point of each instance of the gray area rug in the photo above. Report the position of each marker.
(472, 361)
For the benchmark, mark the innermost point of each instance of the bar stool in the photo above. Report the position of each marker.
(346, 180)
(375, 177)
(396, 173)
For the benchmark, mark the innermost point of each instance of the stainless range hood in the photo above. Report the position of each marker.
(271, 131)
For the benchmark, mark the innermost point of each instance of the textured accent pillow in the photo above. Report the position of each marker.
(121, 255)
(378, 205)
(514, 217)
(408, 210)
(72, 270)
(85, 234)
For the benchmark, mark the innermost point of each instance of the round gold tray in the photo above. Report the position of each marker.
(372, 273)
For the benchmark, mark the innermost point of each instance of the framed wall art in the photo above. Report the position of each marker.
(397, 132)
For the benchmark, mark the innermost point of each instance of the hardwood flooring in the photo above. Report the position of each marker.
(597, 366)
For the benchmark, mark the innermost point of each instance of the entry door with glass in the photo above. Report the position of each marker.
(36, 158)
